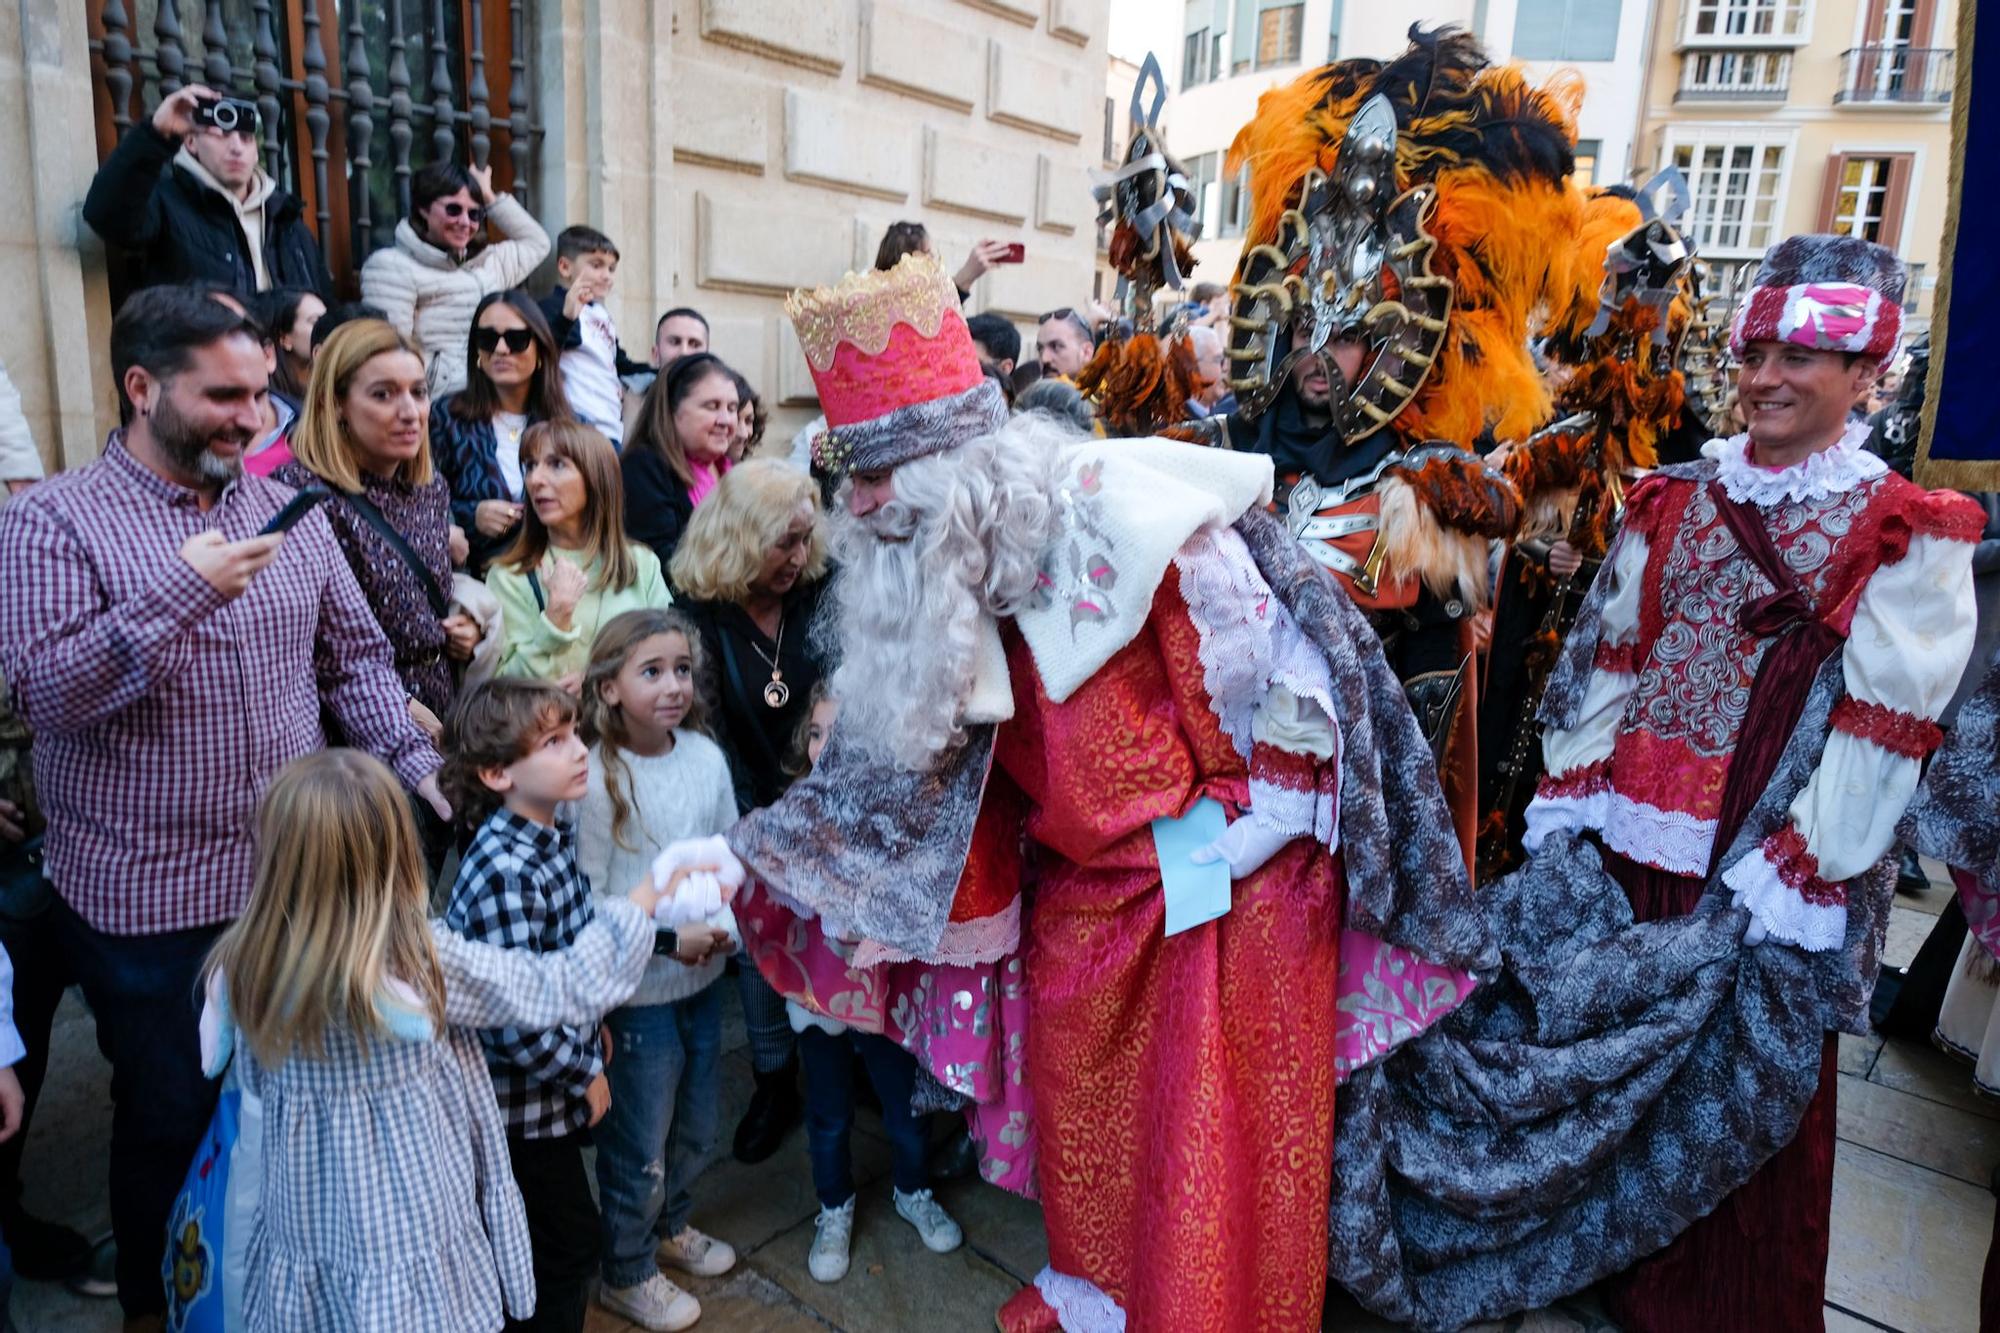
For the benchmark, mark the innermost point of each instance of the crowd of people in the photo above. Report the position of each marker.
(422, 705)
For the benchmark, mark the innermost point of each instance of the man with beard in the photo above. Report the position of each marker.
(170, 661)
(1105, 650)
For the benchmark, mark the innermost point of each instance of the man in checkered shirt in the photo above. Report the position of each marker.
(170, 660)
(511, 748)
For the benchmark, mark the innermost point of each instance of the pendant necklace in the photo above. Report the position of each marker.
(777, 693)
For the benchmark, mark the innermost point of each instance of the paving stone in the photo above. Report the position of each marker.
(1005, 1228)
(1908, 1243)
(1928, 1072)
(1839, 1321)
(893, 1284)
(1857, 1054)
(1939, 889)
(745, 1299)
(1923, 1132)
(1908, 929)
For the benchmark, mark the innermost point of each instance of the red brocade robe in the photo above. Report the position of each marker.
(1184, 1085)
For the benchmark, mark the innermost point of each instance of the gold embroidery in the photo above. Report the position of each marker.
(863, 308)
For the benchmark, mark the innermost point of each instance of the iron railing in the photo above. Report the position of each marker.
(1906, 75)
(1735, 76)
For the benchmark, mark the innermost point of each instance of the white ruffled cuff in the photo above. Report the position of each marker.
(1782, 910)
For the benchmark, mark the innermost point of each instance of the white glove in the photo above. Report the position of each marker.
(695, 876)
(1246, 845)
(1754, 935)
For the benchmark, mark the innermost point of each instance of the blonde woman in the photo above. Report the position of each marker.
(363, 434)
(750, 573)
(571, 569)
(387, 1198)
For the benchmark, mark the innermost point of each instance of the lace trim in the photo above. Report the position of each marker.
(1785, 915)
(985, 939)
(1287, 809)
(1617, 659)
(1894, 730)
(1587, 780)
(1669, 840)
(1081, 1305)
(1832, 471)
(1799, 868)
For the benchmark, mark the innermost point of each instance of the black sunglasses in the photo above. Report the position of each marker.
(489, 340)
(474, 212)
(1067, 313)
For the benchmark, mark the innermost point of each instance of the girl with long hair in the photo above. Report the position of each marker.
(387, 1197)
(679, 448)
(571, 569)
(512, 381)
(362, 436)
(655, 779)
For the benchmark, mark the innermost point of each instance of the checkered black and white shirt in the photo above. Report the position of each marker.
(519, 886)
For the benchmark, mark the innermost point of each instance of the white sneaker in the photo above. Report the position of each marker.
(697, 1253)
(832, 1230)
(655, 1304)
(941, 1234)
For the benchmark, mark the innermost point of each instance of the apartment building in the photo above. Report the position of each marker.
(1806, 115)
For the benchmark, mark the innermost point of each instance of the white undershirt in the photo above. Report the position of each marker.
(507, 428)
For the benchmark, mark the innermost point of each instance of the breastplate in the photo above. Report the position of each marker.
(1340, 526)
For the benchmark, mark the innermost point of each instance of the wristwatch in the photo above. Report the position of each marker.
(665, 942)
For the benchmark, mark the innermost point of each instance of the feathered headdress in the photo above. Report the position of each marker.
(1417, 206)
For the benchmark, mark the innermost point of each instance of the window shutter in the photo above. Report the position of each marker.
(1896, 198)
(1829, 195)
(1921, 23)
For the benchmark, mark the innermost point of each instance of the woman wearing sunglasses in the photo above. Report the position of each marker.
(430, 280)
(512, 383)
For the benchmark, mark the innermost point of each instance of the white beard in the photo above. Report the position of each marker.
(963, 538)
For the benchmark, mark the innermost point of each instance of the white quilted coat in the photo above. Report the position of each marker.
(428, 295)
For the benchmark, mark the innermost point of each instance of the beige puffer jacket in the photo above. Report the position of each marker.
(428, 295)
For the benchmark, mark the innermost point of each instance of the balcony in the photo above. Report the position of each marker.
(1765, 24)
(1735, 76)
(1908, 76)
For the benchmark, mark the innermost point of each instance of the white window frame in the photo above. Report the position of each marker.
(1691, 10)
(1777, 60)
(1697, 139)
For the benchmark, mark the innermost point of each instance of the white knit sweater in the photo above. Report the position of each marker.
(684, 793)
(429, 295)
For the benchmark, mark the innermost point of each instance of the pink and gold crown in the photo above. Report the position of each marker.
(894, 366)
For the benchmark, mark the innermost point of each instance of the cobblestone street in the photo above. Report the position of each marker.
(1912, 1211)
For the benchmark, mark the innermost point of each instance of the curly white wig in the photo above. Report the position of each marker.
(964, 536)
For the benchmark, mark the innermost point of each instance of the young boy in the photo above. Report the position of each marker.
(513, 756)
(592, 360)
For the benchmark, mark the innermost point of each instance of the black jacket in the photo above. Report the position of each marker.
(657, 506)
(185, 232)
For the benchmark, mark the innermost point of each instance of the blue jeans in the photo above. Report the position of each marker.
(829, 1065)
(665, 1083)
(141, 989)
(764, 1022)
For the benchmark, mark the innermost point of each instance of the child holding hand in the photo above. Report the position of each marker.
(387, 1201)
(512, 757)
(654, 779)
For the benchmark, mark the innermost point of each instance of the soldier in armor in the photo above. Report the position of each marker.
(1399, 243)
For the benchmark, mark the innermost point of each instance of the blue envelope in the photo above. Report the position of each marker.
(1196, 894)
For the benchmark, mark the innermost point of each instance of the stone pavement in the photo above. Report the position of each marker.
(1912, 1207)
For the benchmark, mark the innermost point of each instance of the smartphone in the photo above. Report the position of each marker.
(295, 509)
(1013, 254)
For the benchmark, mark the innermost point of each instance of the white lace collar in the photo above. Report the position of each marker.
(1832, 471)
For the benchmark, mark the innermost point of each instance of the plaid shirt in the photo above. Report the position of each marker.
(519, 886)
(162, 710)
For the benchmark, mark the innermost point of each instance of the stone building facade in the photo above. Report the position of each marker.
(733, 149)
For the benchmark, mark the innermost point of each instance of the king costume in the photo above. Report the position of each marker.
(1171, 1097)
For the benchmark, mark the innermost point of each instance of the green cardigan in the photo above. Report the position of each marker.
(537, 648)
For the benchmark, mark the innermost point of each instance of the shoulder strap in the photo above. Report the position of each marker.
(440, 604)
(535, 587)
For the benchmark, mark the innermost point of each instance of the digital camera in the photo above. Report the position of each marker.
(228, 114)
